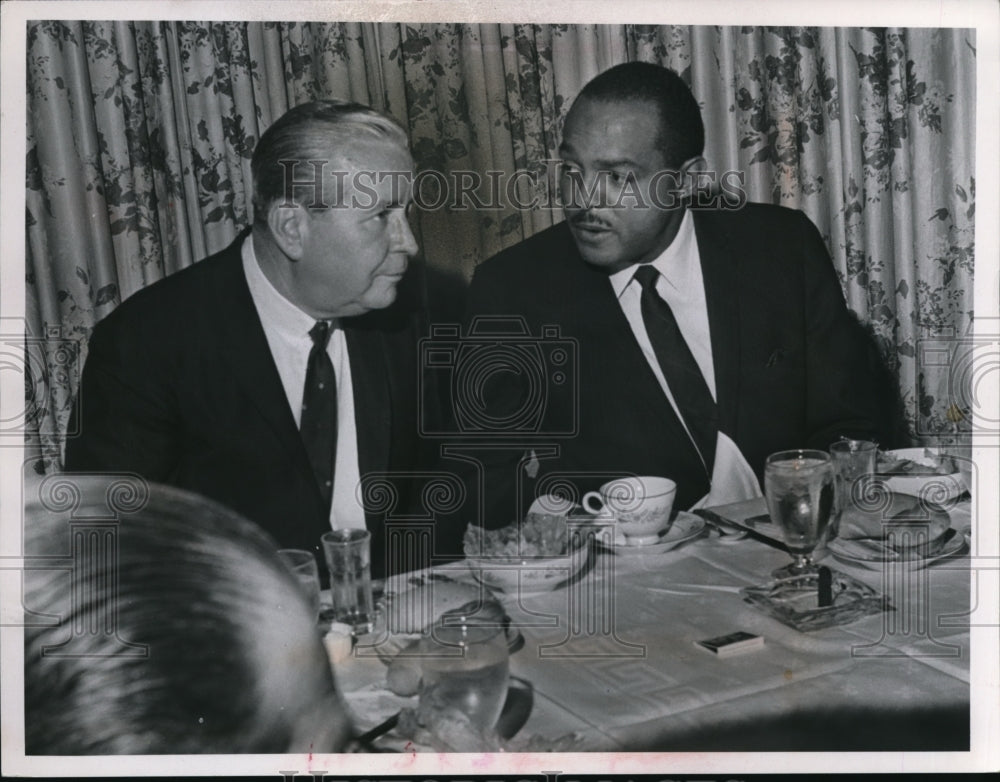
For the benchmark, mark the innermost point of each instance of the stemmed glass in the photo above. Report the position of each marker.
(799, 486)
(466, 666)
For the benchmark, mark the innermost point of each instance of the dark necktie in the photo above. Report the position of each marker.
(318, 425)
(687, 384)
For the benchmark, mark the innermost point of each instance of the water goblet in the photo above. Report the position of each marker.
(466, 666)
(799, 487)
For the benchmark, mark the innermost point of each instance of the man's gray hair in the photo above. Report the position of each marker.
(311, 131)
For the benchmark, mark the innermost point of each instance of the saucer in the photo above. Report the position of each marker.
(686, 527)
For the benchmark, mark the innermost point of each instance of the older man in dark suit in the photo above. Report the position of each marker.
(274, 375)
(706, 337)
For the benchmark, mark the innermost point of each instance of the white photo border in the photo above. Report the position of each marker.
(982, 15)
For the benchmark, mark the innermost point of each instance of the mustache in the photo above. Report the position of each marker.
(588, 220)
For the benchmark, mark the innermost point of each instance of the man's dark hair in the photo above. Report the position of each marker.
(682, 134)
(310, 131)
(197, 599)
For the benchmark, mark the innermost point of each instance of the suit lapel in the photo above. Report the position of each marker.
(720, 273)
(251, 366)
(622, 354)
(370, 378)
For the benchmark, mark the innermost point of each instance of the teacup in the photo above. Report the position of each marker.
(640, 505)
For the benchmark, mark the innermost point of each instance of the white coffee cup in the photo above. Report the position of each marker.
(640, 505)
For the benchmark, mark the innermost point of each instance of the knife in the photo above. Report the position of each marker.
(714, 518)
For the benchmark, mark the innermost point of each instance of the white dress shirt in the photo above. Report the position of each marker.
(682, 287)
(287, 330)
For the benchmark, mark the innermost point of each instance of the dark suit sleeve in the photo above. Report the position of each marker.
(494, 495)
(841, 394)
(125, 412)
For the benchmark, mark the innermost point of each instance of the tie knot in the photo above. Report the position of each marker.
(646, 275)
(320, 334)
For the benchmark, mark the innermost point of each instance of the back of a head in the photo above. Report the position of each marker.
(184, 633)
(312, 131)
(683, 130)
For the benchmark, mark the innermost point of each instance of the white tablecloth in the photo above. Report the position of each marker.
(612, 658)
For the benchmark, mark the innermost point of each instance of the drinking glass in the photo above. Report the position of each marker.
(348, 557)
(799, 489)
(852, 460)
(302, 563)
(465, 664)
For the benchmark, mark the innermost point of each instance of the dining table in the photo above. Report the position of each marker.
(609, 660)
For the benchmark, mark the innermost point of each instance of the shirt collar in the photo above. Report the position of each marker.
(675, 263)
(273, 308)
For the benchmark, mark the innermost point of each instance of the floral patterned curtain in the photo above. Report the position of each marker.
(140, 134)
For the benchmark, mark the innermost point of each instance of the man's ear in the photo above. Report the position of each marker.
(690, 181)
(289, 226)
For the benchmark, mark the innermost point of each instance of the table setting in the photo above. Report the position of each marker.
(617, 623)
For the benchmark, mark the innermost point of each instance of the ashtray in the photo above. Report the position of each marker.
(794, 601)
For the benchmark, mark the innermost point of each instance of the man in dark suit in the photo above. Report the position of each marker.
(275, 374)
(706, 338)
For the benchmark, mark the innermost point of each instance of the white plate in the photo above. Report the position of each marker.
(687, 526)
(872, 559)
(934, 488)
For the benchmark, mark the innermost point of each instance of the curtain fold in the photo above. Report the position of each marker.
(140, 134)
